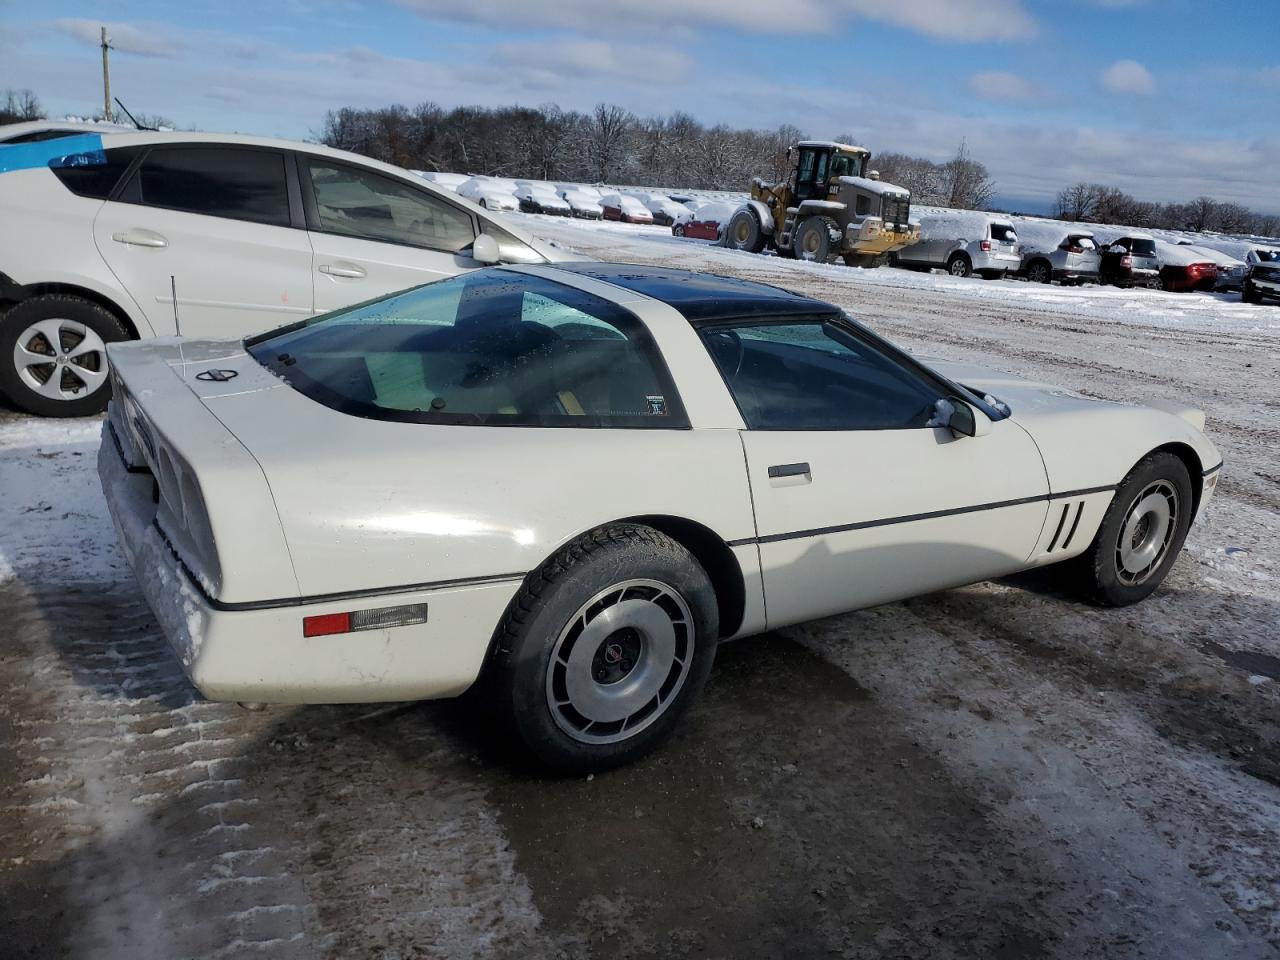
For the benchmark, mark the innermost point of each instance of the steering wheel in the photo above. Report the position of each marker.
(730, 339)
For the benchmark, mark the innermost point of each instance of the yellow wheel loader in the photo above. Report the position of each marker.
(830, 206)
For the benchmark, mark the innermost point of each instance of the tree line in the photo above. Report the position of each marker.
(612, 145)
(1097, 203)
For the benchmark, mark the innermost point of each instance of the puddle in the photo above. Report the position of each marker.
(1254, 664)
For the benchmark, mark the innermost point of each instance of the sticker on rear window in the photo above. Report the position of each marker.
(657, 405)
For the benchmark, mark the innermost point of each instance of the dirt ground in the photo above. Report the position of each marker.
(991, 772)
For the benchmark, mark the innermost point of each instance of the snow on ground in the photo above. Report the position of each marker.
(52, 512)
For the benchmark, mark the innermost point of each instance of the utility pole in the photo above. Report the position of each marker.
(106, 76)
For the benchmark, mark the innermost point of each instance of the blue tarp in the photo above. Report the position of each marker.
(78, 150)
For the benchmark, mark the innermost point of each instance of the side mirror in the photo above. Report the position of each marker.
(485, 250)
(965, 421)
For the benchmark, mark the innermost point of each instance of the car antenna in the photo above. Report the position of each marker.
(130, 115)
(173, 291)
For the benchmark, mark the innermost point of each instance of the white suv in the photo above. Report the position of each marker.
(125, 235)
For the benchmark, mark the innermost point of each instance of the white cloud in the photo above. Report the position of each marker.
(587, 58)
(124, 37)
(1001, 85)
(1127, 76)
(964, 20)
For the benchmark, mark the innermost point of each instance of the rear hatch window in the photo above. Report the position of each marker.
(1144, 248)
(491, 347)
(1004, 233)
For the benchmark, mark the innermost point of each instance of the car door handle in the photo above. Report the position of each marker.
(140, 238)
(789, 470)
(348, 270)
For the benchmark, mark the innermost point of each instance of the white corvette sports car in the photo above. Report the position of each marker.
(572, 481)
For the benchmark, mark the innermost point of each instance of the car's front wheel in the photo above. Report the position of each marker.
(605, 647)
(53, 355)
(1141, 534)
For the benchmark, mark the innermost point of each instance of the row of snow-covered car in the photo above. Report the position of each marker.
(966, 244)
(567, 199)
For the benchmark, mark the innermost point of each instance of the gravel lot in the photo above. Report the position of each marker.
(995, 772)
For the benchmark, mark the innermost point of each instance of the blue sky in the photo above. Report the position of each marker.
(1167, 99)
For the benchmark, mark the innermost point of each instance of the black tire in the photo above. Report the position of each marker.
(526, 675)
(959, 265)
(868, 261)
(1039, 271)
(1099, 570)
(813, 239)
(81, 318)
(745, 231)
(677, 230)
(1249, 295)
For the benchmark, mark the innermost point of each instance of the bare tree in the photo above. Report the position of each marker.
(966, 181)
(606, 148)
(20, 105)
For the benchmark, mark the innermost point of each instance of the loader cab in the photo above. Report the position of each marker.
(818, 163)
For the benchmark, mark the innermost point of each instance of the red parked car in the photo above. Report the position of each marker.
(619, 206)
(1191, 276)
(706, 223)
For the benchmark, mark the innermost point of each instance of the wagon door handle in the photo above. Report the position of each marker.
(140, 238)
(349, 270)
(789, 470)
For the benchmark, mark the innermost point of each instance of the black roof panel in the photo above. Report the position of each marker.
(699, 296)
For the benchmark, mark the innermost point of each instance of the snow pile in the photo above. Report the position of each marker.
(937, 223)
(1173, 255)
(713, 211)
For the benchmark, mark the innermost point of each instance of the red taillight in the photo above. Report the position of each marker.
(985, 245)
(1126, 261)
(326, 624)
(379, 618)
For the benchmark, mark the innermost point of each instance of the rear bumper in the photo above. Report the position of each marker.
(1003, 262)
(256, 651)
(1089, 275)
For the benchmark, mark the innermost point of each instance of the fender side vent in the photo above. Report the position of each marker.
(1062, 525)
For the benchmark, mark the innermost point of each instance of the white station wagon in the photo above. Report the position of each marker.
(571, 482)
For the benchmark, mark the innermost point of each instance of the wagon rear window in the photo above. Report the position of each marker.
(491, 347)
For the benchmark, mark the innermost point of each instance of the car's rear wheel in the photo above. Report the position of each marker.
(1039, 272)
(677, 229)
(53, 355)
(1141, 534)
(605, 647)
(959, 265)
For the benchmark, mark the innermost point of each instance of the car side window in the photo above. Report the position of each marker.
(230, 182)
(816, 375)
(360, 203)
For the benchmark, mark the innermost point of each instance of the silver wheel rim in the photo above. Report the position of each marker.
(620, 661)
(60, 359)
(957, 268)
(1147, 532)
(1037, 274)
(811, 243)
